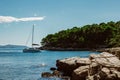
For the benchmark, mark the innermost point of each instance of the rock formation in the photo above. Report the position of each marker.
(103, 66)
(115, 51)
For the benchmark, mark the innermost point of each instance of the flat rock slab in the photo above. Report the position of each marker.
(83, 61)
(75, 60)
(106, 59)
(69, 61)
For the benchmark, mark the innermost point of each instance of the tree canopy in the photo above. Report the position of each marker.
(89, 36)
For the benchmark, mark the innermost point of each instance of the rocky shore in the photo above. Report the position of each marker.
(103, 66)
(115, 51)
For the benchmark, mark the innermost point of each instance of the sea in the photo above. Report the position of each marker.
(16, 65)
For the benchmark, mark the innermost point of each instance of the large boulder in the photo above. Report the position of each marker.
(69, 64)
(114, 51)
(80, 73)
(106, 59)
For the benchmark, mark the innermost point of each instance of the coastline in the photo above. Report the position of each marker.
(76, 68)
(113, 50)
(66, 49)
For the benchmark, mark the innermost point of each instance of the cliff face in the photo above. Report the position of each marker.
(103, 66)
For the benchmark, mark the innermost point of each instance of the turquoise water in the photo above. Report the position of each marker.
(15, 65)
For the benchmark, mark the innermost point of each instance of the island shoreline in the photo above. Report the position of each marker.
(78, 64)
(69, 49)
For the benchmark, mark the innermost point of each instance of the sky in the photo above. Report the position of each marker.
(50, 16)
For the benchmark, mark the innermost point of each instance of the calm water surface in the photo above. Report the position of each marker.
(15, 65)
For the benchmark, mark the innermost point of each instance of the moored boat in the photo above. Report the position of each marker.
(32, 49)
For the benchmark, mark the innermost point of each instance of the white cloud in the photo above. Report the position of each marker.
(9, 19)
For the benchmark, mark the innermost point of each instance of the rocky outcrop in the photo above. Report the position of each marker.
(53, 74)
(103, 66)
(80, 73)
(115, 51)
(57, 75)
(69, 64)
(105, 59)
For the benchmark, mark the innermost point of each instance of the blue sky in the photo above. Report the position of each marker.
(56, 15)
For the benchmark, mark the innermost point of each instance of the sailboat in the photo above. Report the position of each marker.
(32, 49)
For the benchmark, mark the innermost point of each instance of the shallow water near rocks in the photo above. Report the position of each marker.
(16, 65)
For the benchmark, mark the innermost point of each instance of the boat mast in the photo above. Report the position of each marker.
(32, 35)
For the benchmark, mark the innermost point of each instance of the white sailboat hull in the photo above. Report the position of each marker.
(31, 50)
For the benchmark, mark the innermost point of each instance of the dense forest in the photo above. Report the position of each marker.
(89, 36)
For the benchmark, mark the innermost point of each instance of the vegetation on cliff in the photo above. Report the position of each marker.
(89, 36)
